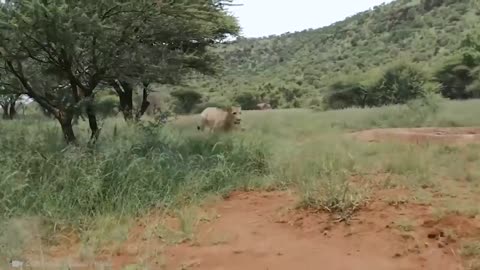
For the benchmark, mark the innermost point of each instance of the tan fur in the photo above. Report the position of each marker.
(217, 119)
(264, 106)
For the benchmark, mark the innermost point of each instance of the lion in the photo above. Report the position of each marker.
(217, 119)
(264, 106)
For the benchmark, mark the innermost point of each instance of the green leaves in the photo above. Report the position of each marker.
(61, 50)
(459, 75)
(398, 84)
(424, 32)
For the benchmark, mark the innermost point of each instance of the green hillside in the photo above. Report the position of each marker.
(295, 68)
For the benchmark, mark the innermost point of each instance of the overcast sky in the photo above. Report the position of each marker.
(265, 17)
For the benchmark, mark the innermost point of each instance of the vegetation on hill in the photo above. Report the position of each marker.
(297, 69)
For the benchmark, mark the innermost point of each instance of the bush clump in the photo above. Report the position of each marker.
(398, 84)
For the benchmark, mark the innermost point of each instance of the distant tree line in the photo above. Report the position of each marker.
(457, 78)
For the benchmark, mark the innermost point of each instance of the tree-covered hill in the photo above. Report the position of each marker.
(292, 69)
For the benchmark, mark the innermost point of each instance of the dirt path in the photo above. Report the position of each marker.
(421, 135)
(260, 233)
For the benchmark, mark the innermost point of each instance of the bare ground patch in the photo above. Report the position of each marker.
(421, 135)
(265, 230)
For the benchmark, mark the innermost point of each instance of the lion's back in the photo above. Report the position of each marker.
(212, 113)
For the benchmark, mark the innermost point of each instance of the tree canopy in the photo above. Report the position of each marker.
(60, 51)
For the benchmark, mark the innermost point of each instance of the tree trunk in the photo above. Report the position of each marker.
(126, 101)
(12, 111)
(364, 101)
(5, 112)
(92, 122)
(125, 94)
(9, 109)
(145, 102)
(65, 120)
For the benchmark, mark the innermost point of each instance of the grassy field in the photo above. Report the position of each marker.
(48, 191)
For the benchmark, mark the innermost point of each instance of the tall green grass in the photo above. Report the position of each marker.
(141, 169)
(134, 169)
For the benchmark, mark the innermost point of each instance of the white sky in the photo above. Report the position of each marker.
(266, 17)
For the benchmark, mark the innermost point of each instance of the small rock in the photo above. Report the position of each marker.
(192, 263)
(237, 251)
(435, 234)
(426, 244)
(397, 255)
(450, 239)
(413, 251)
(132, 250)
(279, 254)
(406, 236)
(16, 264)
(441, 245)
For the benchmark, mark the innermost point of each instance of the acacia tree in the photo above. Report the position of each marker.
(61, 50)
(174, 44)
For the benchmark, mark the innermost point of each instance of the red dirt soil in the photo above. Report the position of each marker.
(421, 135)
(263, 230)
(266, 235)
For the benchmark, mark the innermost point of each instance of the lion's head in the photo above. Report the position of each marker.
(236, 113)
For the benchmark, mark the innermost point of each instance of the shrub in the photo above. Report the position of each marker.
(106, 105)
(455, 78)
(247, 100)
(186, 100)
(398, 84)
(459, 75)
(346, 94)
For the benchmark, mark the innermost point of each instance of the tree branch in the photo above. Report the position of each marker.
(41, 100)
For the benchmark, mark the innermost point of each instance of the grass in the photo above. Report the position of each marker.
(188, 221)
(405, 225)
(136, 169)
(471, 249)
